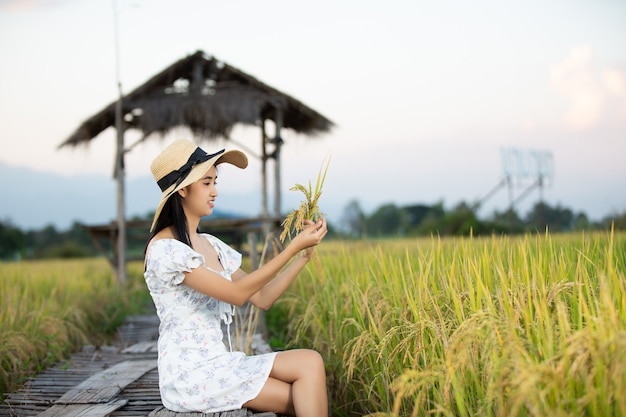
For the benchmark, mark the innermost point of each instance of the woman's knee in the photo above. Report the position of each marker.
(317, 361)
(313, 364)
(299, 363)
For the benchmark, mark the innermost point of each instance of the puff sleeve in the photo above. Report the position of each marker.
(166, 262)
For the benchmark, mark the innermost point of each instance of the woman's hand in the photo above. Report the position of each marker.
(310, 236)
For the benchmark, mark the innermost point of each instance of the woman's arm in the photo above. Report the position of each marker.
(268, 295)
(239, 291)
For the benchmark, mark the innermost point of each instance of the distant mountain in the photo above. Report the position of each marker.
(33, 199)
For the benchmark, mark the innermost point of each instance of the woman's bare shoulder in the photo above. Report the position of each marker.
(165, 234)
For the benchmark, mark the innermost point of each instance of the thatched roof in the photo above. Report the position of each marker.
(206, 95)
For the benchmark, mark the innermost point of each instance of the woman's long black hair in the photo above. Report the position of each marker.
(172, 215)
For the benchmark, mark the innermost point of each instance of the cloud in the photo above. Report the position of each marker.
(575, 78)
(594, 96)
(18, 5)
(21, 6)
(615, 82)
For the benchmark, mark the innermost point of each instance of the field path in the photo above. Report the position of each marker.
(117, 380)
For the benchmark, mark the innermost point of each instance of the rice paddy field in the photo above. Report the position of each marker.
(532, 325)
(49, 309)
(502, 326)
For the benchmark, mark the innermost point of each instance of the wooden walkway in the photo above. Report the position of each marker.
(118, 380)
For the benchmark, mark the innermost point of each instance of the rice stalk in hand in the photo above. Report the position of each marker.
(308, 209)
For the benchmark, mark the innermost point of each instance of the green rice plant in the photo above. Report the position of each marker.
(501, 326)
(249, 318)
(49, 309)
(308, 209)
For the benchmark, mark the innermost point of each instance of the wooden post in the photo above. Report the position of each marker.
(252, 245)
(119, 161)
(266, 226)
(277, 142)
(121, 205)
(264, 210)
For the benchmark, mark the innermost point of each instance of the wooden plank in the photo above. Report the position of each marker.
(244, 412)
(235, 228)
(103, 386)
(142, 347)
(164, 412)
(81, 410)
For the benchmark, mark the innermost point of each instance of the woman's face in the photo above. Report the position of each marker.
(199, 198)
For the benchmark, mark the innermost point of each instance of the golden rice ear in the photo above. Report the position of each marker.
(287, 223)
(308, 209)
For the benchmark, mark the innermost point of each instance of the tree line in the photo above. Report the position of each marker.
(425, 220)
(388, 220)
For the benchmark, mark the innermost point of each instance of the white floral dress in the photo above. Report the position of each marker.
(196, 370)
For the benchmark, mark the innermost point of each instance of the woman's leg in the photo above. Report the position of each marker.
(274, 396)
(297, 385)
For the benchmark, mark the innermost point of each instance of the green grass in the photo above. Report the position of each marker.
(524, 326)
(52, 308)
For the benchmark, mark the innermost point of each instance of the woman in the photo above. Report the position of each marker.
(195, 279)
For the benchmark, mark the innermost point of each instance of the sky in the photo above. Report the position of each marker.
(433, 101)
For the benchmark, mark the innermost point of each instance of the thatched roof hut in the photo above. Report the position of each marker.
(206, 95)
(209, 97)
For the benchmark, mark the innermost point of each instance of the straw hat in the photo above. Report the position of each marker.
(183, 163)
